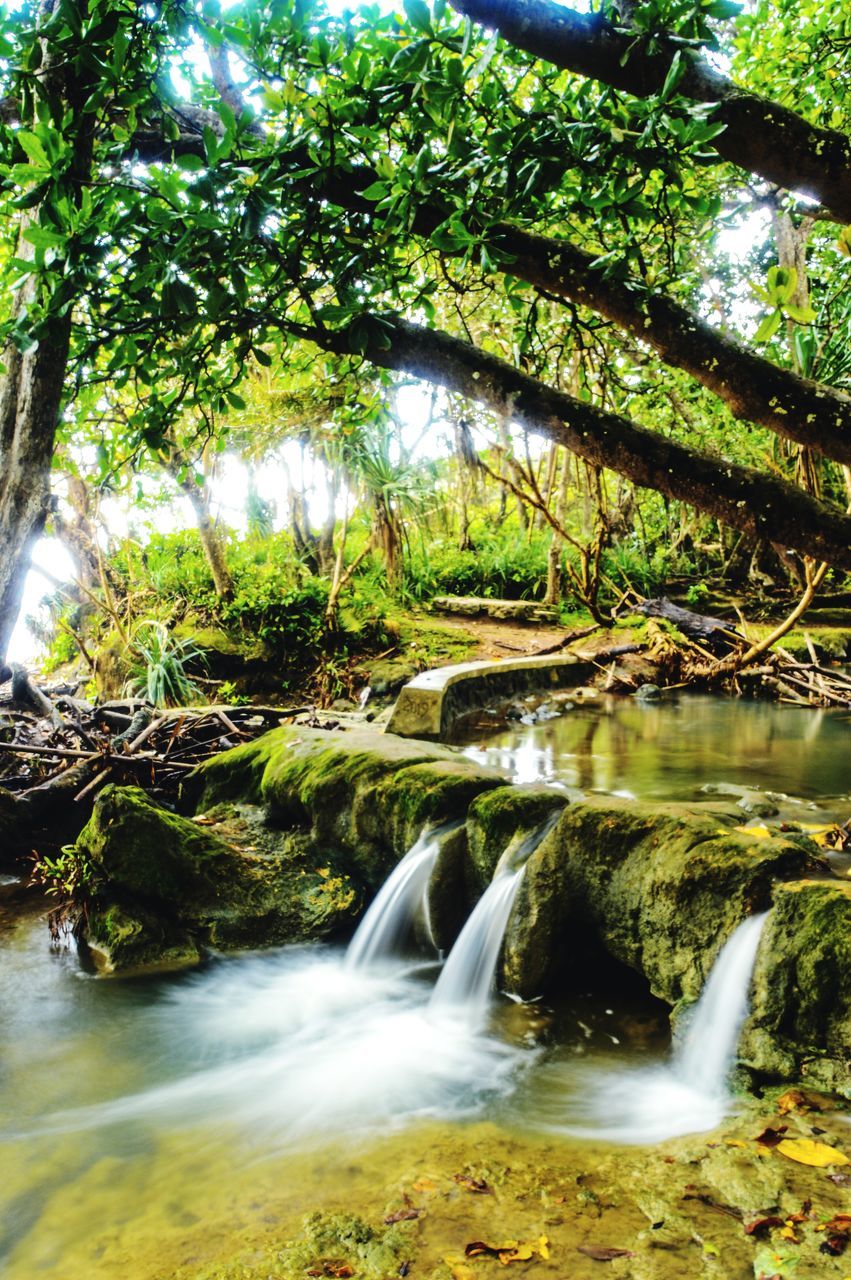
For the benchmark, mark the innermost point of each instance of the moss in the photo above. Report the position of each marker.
(659, 887)
(163, 884)
(364, 792)
(800, 1020)
(497, 816)
(327, 1239)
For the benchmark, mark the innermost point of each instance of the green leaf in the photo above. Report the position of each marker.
(675, 74)
(419, 15)
(768, 327)
(33, 147)
(375, 191)
(723, 9)
(801, 315)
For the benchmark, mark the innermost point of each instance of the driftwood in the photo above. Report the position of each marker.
(697, 626)
(48, 761)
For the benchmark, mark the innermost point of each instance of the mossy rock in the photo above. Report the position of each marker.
(659, 887)
(387, 677)
(165, 886)
(498, 816)
(800, 1023)
(224, 655)
(365, 792)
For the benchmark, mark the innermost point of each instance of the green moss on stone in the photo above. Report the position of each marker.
(800, 1020)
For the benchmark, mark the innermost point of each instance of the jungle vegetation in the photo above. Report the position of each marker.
(607, 245)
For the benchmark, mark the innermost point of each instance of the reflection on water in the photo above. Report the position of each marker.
(668, 750)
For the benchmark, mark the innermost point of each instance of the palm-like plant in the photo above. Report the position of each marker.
(158, 671)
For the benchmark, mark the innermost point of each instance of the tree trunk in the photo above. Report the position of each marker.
(554, 565)
(211, 540)
(759, 135)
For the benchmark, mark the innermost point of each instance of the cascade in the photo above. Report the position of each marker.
(388, 920)
(687, 1094)
(708, 1050)
(467, 976)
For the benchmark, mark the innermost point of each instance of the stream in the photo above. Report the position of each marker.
(148, 1123)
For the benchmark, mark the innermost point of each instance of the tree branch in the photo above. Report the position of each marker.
(760, 135)
(762, 506)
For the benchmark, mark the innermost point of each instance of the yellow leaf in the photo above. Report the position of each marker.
(734, 1142)
(424, 1184)
(806, 1151)
(759, 832)
(543, 1246)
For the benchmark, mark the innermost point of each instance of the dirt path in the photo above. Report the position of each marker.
(495, 638)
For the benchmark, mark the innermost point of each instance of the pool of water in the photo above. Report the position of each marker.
(680, 748)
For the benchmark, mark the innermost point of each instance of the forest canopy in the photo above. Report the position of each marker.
(622, 229)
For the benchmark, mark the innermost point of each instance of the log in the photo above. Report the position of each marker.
(697, 626)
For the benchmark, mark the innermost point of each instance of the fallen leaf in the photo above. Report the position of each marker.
(471, 1184)
(771, 1137)
(603, 1253)
(424, 1184)
(734, 1142)
(403, 1215)
(510, 1251)
(806, 1151)
(797, 1100)
(834, 1246)
(761, 1226)
(337, 1270)
(788, 1233)
(839, 1225)
(840, 1180)
(759, 831)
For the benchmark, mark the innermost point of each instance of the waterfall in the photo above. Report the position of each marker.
(686, 1094)
(468, 973)
(383, 929)
(706, 1054)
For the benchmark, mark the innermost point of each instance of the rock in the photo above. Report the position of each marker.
(648, 693)
(800, 1022)
(660, 887)
(758, 805)
(163, 887)
(366, 793)
(387, 677)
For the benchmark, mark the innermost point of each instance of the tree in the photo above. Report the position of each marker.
(463, 210)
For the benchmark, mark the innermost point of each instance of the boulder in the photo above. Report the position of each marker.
(658, 887)
(800, 1021)
(162, 887)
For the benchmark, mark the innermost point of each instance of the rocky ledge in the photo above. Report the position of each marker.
(292, 835)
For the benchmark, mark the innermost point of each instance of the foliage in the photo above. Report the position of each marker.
(158, 665)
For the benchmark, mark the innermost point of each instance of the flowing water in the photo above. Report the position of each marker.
(145, 1123)
(388, 921)
(687, 1092)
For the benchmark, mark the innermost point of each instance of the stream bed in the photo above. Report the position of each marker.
(182, 1126)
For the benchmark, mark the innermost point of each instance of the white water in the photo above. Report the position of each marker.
(467, 976)
(468, 973)
(689, 1093)
(707, 1052)
(287, 1047)
(391, 914)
